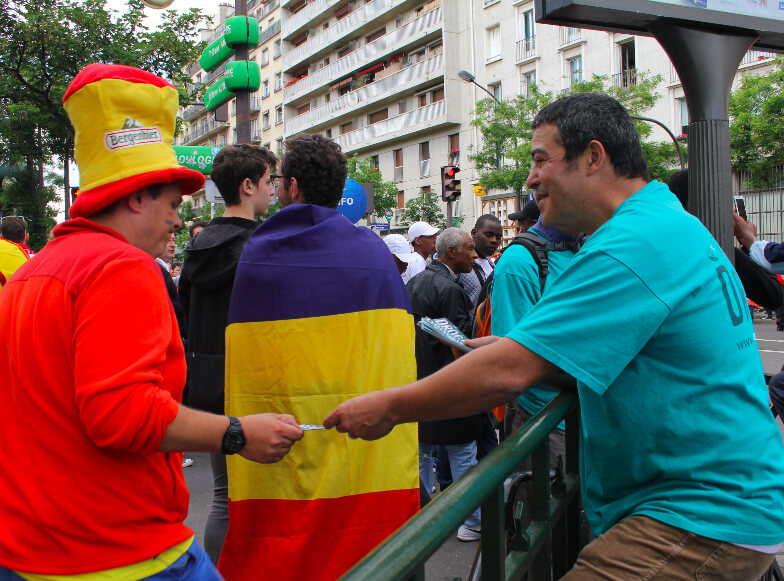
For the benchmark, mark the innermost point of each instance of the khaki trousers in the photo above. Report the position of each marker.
(640, 547)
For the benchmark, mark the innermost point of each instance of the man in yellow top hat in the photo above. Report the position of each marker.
(90, 419)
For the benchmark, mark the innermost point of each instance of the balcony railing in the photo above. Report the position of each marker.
(267, 8)
(406, 123)
(626, 78)
(202, 131)
(374, 51)
(382, 88)
(754, 56)
(570, 35)
(526, 48)
(192, 111)
(269, 32)
(340, 30)
(304, 16)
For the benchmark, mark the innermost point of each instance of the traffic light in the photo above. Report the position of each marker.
(450, 185)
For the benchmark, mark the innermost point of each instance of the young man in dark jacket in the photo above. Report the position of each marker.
(242, 175)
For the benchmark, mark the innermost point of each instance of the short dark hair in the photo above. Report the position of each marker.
(679, 185)
(583, 117)
(486, 218)
(195, 225)
(319, 166)
(234, 163)
(13, 228)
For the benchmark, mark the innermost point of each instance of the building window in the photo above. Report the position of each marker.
(454, 149)
(495, 89)
(328, 134)
(276, 49)
(278, 82)
(402, 107)
(682, 114)
(527, 82)
(279, 146)
(424, 159)
(346, 127)
(265, 88)
(493, 42)
(265, 120)
(422, 99)
(437, 95)
(303, 109)
(401, 199)
(374, 161)
(375, 35)
(575, 70)
(397, 155)
(626, 58)
(264, 57)
(378, 116)
(278, 114)
(526, 46)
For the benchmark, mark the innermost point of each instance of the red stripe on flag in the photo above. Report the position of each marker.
(309, 539)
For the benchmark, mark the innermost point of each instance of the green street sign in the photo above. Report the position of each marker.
(217, 95)
(198, 158)
(241, 30)
(212, 56)
(242, 76)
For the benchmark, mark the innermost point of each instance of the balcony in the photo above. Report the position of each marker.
(388, 44)
(203, 131)
(625, 79)
(344, 27)
(192, 111)
(411, 122)
(302, 18)
(384, 88)
(526, 48)
(570, 35)
(755, 56)
(266, 9)
(269, 32)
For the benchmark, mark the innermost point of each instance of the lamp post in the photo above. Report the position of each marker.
(469, 78)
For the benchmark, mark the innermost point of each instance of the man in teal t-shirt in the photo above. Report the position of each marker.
(681, 460)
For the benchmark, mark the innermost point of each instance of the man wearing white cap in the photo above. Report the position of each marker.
(401, 252)
(422, 237)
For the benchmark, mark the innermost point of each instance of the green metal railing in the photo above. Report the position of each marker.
(546, 549)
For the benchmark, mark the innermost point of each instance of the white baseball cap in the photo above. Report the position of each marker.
(399, 247)
(418, 229)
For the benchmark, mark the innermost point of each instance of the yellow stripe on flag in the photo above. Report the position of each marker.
(306, 367)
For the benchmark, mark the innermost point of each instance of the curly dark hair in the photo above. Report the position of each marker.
(319, 166)
(583, 117)
(234, 163)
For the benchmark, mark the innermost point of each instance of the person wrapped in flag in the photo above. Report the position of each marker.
(318, 314)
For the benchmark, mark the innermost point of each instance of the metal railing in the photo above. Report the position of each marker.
(545, 550)
(625, 78)
(526, 48)
(753, 56)
(570, 34)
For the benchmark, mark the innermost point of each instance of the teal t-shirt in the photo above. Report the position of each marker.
(652, 321)
(516, 289)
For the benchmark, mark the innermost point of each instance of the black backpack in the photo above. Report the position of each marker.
(538, 248)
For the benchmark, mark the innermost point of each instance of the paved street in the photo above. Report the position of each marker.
(454, 558)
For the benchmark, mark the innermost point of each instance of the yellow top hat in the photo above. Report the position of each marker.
(123, 120)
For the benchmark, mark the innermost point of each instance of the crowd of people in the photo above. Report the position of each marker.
(277, 339)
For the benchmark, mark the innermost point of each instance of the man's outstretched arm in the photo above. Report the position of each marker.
(487, 377)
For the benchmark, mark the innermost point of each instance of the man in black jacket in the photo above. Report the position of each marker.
(242, 174)
(436, 293)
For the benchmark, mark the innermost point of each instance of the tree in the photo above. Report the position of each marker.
(45, 44)
(364, 172)
(756, 129)
(424, 208)
(504, 158)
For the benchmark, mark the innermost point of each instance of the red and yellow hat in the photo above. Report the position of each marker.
(123, 119)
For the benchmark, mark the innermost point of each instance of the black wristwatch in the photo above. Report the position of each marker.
(234, 438)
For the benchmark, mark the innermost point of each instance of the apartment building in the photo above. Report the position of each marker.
(218, 128)
(380, 78)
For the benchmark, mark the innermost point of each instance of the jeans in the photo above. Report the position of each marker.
(218, 518)
(461, 458)
(193, 565)
(640, 547)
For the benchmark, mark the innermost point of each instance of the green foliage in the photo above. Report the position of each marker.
(364, 172)
(662, 159)
(424, 208)
(757, 126)
(503, 160)
(188, 216)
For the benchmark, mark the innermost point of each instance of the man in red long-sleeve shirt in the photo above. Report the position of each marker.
(93, 367)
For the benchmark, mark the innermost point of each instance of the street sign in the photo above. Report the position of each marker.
(380, 225)
(217, 94)
(242, 76)
(635, 16)
(479, 191)
(241, 30)
(353, 204)
(215, 54)
(198, 158)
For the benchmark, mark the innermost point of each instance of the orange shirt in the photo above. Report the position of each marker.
(92, 368)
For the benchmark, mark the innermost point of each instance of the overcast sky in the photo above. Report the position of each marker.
(208, 7)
